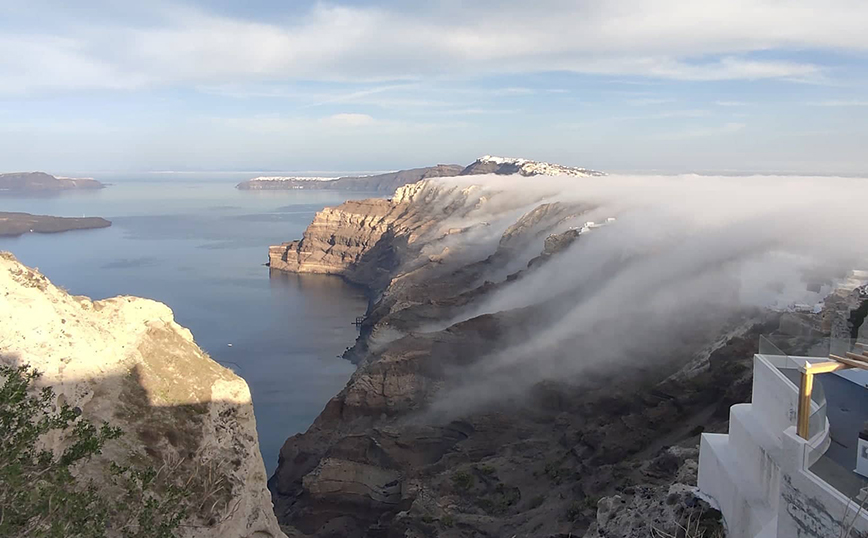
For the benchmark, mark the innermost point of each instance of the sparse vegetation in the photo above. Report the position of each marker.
(574, 510)
(690, 529)
(555, 472)
(501, 500)
(579, 507)
(462, 480)
(40, 495)
(536, 502)
(487, 470)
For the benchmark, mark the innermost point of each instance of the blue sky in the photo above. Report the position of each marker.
(741, 85)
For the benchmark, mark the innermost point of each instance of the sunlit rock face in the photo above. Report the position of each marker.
(125, 361)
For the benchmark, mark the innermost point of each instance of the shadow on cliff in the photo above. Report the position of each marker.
(197, 446)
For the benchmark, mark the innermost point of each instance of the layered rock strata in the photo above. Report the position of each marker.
(572, 456)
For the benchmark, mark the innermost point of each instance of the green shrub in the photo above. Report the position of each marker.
(486, 470)
(555, 472)
(462, 480)
(39, 494)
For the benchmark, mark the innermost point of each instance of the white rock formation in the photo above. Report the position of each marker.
(125, 361)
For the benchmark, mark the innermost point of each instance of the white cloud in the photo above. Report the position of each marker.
(671, 39)
(647, 101)
(513, 91)
(350, 119)
(730, 103)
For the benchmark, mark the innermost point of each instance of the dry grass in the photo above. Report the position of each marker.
(691, 529)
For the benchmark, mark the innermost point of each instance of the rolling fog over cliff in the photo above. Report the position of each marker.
(686, 255)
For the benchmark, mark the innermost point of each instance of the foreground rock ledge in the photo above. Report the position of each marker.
(124, 360)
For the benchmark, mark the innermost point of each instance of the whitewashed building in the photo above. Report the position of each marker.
(774, 476)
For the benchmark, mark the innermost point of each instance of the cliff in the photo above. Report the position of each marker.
(507, 165)
(42, 182)
(453, 425)
(386, 183)
(12, 224)
(125, 361)
(379, 459)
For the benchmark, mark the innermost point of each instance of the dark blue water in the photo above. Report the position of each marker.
(199, 245)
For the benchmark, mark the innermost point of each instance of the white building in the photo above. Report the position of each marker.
(771, 482)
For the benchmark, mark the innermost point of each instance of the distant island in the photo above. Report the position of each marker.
(387, 182)
(42, 182)
(14, 224)
(390, 181)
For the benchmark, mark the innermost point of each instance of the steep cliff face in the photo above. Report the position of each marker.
(41, 182)
(366, 241)
(582, 451)
(385, 183)
(125, 361)
(378, 461)
(507, 165)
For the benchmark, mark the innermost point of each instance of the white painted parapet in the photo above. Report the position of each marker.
(759, 473)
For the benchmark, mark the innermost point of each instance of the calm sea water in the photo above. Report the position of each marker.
(197, 244)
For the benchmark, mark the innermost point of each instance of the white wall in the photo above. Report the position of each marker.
(758, 473)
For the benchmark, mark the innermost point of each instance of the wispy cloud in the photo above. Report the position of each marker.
(479, 111)
(647, 101)
(731, 103)
(181, 45)
(839, 103)
(703, 132)
(350, 119)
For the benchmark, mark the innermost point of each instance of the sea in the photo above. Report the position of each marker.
(196, 243)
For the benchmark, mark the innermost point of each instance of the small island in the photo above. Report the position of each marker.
(14, 224)
(41, 182)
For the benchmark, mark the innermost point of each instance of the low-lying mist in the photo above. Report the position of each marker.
(685, 256)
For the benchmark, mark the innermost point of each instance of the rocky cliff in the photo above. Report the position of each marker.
(389, 182)
(385, 183)
(440, 433)
(42, 182)
(125, 361)
(507, 165)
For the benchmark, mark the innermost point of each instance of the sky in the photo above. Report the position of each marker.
(623, 85)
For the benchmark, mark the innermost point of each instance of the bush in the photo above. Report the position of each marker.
(462, 480)
(39, 495)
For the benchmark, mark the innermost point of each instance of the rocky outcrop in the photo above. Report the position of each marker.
(125, 361)
(367, 241)
(385, 183)
(42, 182)
(608, 451)
(389, 182)
(380, 461)
(666, 504)
(13, 224)
(508, 165)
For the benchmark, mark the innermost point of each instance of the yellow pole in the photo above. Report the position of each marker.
(805, 390)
